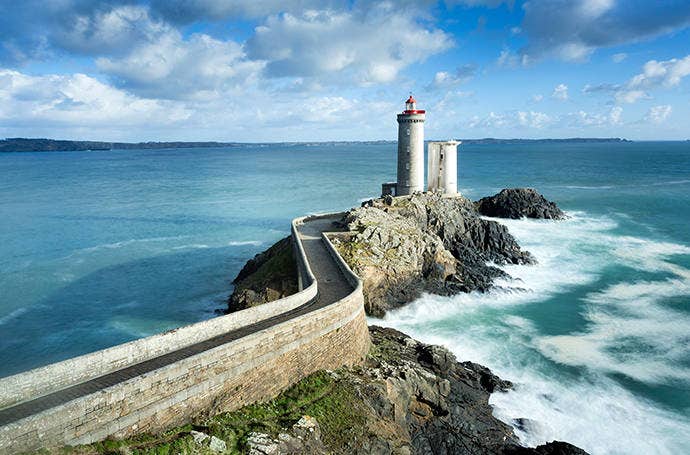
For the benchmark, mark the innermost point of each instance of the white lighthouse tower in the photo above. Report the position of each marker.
(410, 149)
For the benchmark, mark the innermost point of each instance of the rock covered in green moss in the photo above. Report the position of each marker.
(268, 276)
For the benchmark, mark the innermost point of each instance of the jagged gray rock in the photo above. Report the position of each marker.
(214, 444)
(262, 444)
(519, 203)
(424, 242)
(199, 437)
(304, 439)
(217, 445)
(307, 428)
(421, 400)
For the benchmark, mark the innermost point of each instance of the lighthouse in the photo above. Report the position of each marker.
(410, 149)
(442, 158)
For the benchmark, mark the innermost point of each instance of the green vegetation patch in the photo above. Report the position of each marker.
(279, 267)
(323, 395)
(353, 252)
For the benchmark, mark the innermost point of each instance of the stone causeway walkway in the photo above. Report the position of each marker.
(332, 286)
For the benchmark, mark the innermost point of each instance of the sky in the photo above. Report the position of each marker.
(307, 70)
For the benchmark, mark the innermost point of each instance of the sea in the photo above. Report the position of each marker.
(103, 247)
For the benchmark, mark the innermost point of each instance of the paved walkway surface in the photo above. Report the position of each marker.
(332, 284)
(332, 287)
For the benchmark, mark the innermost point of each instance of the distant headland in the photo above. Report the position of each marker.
(20, 144)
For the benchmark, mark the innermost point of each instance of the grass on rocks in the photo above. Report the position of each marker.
(279, 267)
(323, 395)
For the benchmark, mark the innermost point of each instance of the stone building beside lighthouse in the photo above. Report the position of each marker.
(442, 157)
(442, 167)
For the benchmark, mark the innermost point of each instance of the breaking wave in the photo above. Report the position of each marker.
(571, 332)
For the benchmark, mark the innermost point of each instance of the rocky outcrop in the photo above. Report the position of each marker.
(401, 247)
(408, 398)
(404, 246)
(270, 275)
(432, 403)
(304, 438)
(519, 203)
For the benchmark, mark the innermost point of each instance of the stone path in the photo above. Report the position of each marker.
(332, 286)
(332, 283)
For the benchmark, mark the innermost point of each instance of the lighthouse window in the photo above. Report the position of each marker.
(407, 166)
(407, 131)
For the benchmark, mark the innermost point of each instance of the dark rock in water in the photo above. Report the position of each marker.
(270, 275)
(523, 424)
(551, 448)
(519, 203)
(419, 399)
(404, 246)
(432, 402)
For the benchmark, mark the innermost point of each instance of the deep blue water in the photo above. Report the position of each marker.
(98, 248)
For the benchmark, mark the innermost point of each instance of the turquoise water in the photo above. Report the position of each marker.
(98, 248)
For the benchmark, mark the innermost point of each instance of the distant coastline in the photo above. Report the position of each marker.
(55, 145)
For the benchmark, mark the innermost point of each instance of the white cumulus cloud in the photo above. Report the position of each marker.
(615, 115)
(509, 59)
(110, 31)
(560, 92)
(77, 100)
(447, 80)
(369, 47)
(533, 119)
(658, 114)
(175, 68)
(667, 73)
(630, 96)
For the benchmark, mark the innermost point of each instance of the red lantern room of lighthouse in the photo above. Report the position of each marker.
(411, 107)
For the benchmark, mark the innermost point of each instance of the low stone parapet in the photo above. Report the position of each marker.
(252, 368)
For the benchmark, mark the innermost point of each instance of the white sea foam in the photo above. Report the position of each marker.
(246, 242)
(637, 185)
(598, 415)
(629, 330)
(140, 327)
(192, 246)
(671, 182)
(14, 314)
(589, 187)
(124, 243)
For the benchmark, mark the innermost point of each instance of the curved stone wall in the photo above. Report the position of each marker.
(249, 369)
(56, 376)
